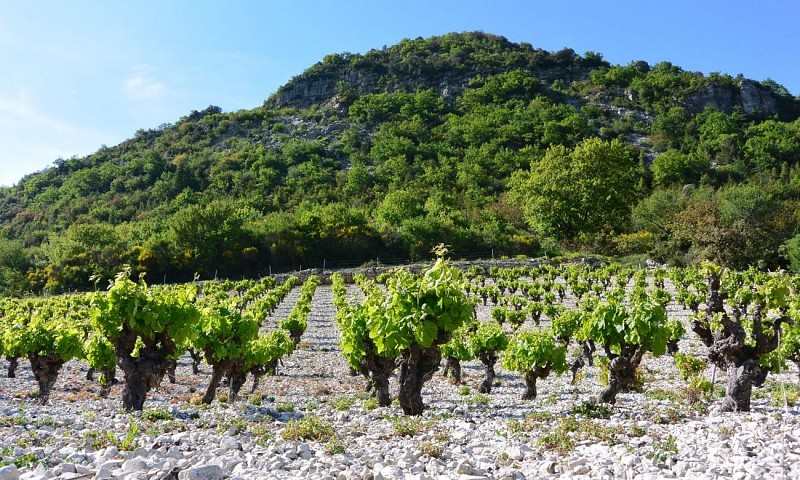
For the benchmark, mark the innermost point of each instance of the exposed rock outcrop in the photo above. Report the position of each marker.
(748, 95)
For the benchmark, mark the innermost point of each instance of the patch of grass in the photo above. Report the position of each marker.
(726, 430)
(322, 390)
(661, 451)
(591, 409)
(637, 431)
(24, 460)
(167, 426)
(155, 414)
(335, 446)
(255, 400)
(310, 427)
(287, 407)
(370, 404)
(406, 426)
(666, 416)
(464, 390)
(533, 421)
(433, 450)
(776, 394)
(262, 433)
(557, 442)
(663, 394)
(480, 399)
(342, 402)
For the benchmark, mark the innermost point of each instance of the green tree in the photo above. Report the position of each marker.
(673, 167)
(211, 237)
(581, 191)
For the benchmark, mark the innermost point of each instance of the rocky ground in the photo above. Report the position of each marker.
(463, 434)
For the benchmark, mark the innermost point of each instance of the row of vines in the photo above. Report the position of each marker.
(548, 319)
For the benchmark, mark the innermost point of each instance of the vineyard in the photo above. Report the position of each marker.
(483, 372)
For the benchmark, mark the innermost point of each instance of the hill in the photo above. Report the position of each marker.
(467, 139)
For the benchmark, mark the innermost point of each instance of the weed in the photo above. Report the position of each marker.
(480, 399)
(591, 409)
(238, 424)
(464, 390)
(556, 441)
(776, 394)
(262, 433)
(663, 394)
(431, 449)
(334, 446)
(310, 427)
(661, 451)
(154, 414)
(342, 403)
(699, 387)
(370, 404)
(689, 366)
(667, 415)
(284, 407)
(24, 460)
(255, 400)
(726, 430)
(406, 426)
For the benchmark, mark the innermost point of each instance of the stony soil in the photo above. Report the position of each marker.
(654, 434)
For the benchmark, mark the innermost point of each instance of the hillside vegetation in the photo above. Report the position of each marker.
(466, 139)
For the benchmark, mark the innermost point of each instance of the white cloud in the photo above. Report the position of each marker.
(140, 87)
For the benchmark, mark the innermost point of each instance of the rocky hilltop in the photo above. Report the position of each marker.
(414, 65)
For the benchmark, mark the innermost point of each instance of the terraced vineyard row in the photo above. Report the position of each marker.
(611, 327)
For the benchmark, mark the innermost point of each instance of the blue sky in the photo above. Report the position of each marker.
(79, 74)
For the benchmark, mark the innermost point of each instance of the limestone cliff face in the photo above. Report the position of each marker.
(319, 88)
(748, 95)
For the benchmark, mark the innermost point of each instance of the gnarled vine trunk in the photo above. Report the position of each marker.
(107, 380)
(417, 367)
(295, 335)
(621, 371)
(237, 375)
(729, 350)
(530, 381)
(452, 367)
(13, 362)
(489, 360)
(586, 357)
(377, 370)
(270, 368)
(217, 371)
(45, 369)
(171, 366)
(197, 357)
(145, 371)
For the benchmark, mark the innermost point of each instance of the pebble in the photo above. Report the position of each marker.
(458, 438)
(9, 472)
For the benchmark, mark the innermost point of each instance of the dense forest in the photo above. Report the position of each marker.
(466, 139)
